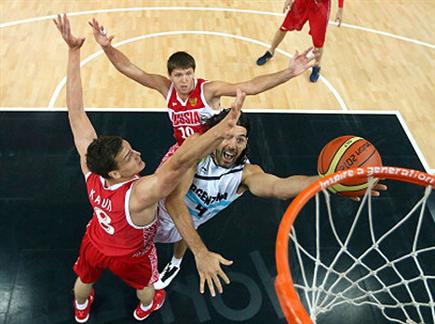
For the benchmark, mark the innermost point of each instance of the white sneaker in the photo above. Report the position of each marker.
(166, 276)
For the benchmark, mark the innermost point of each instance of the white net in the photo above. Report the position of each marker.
(372, 258)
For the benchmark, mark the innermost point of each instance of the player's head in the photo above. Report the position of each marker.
(113, 158)
(232, 151)
(181, 71)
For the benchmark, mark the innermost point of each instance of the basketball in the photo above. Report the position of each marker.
(343, 153)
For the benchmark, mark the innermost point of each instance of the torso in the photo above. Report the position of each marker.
(111, 229)
(213, 189)
(188, 116)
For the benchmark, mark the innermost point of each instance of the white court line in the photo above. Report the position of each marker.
(62, 83)
(248, 110)
(258, 12)
(414, 143)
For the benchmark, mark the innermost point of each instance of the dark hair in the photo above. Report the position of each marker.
(101, 153)
(243, 121)
(180, 60)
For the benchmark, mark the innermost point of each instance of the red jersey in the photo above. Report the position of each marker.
(187, 117)
(111, 229)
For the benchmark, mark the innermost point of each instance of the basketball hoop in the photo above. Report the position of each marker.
(326, 286)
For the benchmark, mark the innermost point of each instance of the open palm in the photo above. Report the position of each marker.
(299, 63)
(100, 34)
(63, 25)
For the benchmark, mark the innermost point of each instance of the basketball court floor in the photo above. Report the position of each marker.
(43, 205)
(45, 211)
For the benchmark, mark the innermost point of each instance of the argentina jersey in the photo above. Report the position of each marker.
(212, 190)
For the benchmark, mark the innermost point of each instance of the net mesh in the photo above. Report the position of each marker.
(369, 259)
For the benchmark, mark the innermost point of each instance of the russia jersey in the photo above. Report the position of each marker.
(187, 117)
(213, 189)
(111, 229)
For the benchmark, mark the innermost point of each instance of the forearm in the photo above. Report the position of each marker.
(289, 187)
(81, 127)
(118, 59)
(183, 222)
(266, 82)
(194, 149)
(74, 93)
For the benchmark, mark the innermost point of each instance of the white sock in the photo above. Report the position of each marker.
(82, 306)
(145, 308)
(175, 261)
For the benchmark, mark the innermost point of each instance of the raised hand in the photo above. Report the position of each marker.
(100, 33)
(299, 63)
(209, 268)
(63, 25)
(236, 108)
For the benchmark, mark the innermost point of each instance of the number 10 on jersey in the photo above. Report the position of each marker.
(186, 131)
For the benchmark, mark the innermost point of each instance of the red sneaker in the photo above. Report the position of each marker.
(158, 300)
(82, 316)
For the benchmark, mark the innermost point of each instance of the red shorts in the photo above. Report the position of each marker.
(317, 14)
(168, 154)
(138, 270)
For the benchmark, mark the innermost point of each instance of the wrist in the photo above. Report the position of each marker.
(106, 47)
(74, 50)
(199, 252)
(290, 73)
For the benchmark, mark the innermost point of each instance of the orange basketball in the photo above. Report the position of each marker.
(343, 153)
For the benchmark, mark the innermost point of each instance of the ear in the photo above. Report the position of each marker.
(114, 174)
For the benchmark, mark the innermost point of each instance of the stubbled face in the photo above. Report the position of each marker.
(183, 80)
(228, 152)
(129, 161)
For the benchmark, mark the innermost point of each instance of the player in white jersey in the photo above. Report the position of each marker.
(189, 99)
(218, 180)
(213, 189)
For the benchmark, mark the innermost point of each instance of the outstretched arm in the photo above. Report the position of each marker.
(123, 64)
(262, 184)
(82, 129)
(297, 65)
(267, 185)
(208, 263)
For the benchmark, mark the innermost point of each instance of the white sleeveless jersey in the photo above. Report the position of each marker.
(212, 190)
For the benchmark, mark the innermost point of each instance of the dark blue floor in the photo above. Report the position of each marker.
(44, 211)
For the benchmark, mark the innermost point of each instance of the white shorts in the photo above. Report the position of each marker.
(167, 232)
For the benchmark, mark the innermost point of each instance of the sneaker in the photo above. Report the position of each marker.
(82, 316)
(315, 74)
(263, 59)
(166, 276)
(158, 300)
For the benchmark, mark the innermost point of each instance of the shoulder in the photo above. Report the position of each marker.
(251, 169)
(90, 176)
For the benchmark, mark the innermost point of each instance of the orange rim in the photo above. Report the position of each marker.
(290, 302)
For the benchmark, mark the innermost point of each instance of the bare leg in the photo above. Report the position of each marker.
(145, 295)
(277, 39)
(82, 291)
(315, 71)
(180, 249)
(318, 52)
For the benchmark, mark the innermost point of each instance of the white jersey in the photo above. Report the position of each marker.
(212, 190)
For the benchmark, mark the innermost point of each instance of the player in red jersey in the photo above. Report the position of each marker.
(299, 11)
(190, 102)
(120, 235)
